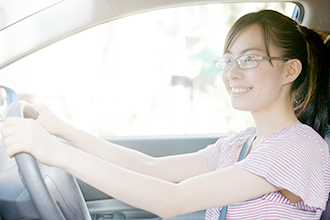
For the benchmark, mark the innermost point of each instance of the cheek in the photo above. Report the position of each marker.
(262, 79)
(268, 87)
(257, 77)
(223, 76)
(225, 80)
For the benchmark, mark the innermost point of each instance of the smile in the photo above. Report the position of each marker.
(240, 90)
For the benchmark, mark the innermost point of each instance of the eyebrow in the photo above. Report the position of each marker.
(246, 50)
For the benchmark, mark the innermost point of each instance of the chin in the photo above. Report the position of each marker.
(242, 107)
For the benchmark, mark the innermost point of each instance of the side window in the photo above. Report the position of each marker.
(147, 74)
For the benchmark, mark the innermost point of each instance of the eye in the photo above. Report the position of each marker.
(227, 60)
(250, 58)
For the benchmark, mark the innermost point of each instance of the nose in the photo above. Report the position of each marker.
(233, 73)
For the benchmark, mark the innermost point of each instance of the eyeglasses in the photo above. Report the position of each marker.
(245, 62)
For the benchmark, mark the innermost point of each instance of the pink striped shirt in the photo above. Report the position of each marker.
(295, 158)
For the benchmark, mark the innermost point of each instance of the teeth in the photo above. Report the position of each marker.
(240, 90)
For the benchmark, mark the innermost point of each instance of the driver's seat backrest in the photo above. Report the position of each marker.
(326, 213)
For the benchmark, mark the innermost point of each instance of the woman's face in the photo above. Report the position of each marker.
(258, 88)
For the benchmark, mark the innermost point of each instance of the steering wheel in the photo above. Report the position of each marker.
(55, 193)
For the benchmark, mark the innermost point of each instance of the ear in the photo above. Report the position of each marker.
(292, 70)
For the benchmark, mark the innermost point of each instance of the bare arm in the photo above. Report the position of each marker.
(164, 198)
(171, 168)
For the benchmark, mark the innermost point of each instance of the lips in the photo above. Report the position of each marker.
(238, 90)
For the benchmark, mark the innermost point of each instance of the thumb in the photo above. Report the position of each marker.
(39, 107)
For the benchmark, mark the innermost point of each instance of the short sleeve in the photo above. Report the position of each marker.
(221, 153)
(212, 152)
(295, 159)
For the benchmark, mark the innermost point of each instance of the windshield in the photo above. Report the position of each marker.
(147, 74)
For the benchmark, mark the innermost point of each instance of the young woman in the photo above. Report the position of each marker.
(272, 67)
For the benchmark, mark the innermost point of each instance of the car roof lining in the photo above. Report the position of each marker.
(49, 27)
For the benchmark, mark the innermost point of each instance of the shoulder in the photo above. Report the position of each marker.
(301, 138)
(299, 146)
(301, 131)
(292, 148)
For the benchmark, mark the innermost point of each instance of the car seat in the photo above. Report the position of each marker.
(326, 213)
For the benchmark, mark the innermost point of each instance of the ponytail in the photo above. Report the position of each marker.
(311, 94)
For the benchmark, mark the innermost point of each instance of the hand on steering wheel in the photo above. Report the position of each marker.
(49, 187)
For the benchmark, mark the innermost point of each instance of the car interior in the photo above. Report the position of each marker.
(136, 73)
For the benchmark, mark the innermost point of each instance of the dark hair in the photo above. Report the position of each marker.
(310, 91)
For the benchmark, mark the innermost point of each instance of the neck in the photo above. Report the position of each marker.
(273, 119)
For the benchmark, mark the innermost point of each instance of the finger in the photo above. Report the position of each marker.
(18, 135)
(12, 121)
(12, 134)
(15, 121)
(15, 128)
(16, 149)
(10, 130)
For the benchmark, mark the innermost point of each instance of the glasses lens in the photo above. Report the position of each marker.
(248, 61)
(223, 63)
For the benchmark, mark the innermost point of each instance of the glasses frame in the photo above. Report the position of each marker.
(232, 61)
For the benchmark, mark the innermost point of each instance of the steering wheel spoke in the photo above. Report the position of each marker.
(54, 192)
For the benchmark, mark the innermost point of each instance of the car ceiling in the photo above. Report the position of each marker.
(71, 16)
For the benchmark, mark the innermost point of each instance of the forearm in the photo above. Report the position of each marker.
(141, 191)
(155, 195)
(163, 198)
(172, 168)
(116, 154)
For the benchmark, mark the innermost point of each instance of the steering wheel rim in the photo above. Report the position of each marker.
(55, 193)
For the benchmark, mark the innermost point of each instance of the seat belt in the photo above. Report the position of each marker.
(244, 151)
